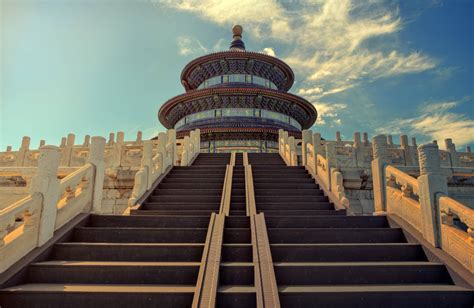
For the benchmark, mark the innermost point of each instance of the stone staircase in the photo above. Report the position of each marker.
(153, 258)
(327, 259)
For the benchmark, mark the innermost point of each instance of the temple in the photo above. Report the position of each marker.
(239, 100)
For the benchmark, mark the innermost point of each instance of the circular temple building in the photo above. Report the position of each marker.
(239, 100)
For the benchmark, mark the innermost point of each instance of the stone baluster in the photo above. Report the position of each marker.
(97, 158)
(147, 162)
(42, 142)
(139, 140)
(389, 141)
(357, 142)
(66, 152)
(172, 143)
(111, 139)
(306, 138)
(407, 151)
(118, 149)
(338, 136)
(184, 153)
(293, 157)
(318, 146)
(63, 142)
(380, 154)
(413, 142)
(453, 154)
(162, 141)
(87, 140)
(365, 139)
(46, 183)
(431, 183)
(24, 148)
(331, 160)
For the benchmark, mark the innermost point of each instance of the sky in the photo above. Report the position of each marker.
(99, 66)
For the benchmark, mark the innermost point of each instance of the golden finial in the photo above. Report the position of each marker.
(237, 31)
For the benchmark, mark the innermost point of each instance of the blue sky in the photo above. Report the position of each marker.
(94, 67)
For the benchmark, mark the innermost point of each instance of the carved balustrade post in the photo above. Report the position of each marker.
(380, 154)
(468, 149)
(66, 152)
(42, 142)
(331, 161)
(453, 154)
(431, 182)
(408, 153)
(390, 141)
(306, 138)
(9, 148)
(25, 147)
(46, 183)
(292, 155)
(184, 152)
(118, 149)
(172, 140)
(365, 139)
(87, 141)
(317, 149)
(162, 141)
(338, 136)
(111, 139)
(139, 140)
(97, 158)
(147, 163)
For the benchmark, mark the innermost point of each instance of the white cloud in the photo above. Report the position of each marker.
(269, 51)
(438, 122)
(328, 113)
(188, 46)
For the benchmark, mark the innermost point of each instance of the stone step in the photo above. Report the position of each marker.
(327, 222)
(294, 206)
(237, 252)
(185, 199)
(343, 252)
(237, 235)
(140, 235)
(290, 185)
(236, 273)
(194, 180)
(101, 272)
(198, 185)
(289, 199)
(336, 235)
(276, 213)
(155, 206)
(234, 296)
(282, 181)
(169, 252)
(364, 273)
(173, 221)
(406, 295)
(160, 213)
(97, 295)
(237, 222)
(188, 192)
(301, 192)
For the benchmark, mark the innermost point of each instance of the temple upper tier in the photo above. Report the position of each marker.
(239, 101)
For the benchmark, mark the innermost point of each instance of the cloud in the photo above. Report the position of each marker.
(438, 122)
(331, 41)
(188, 46)
(328, 113)
(269, 51)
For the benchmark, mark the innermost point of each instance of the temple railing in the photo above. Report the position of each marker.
(423, 202)
(51, 203)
